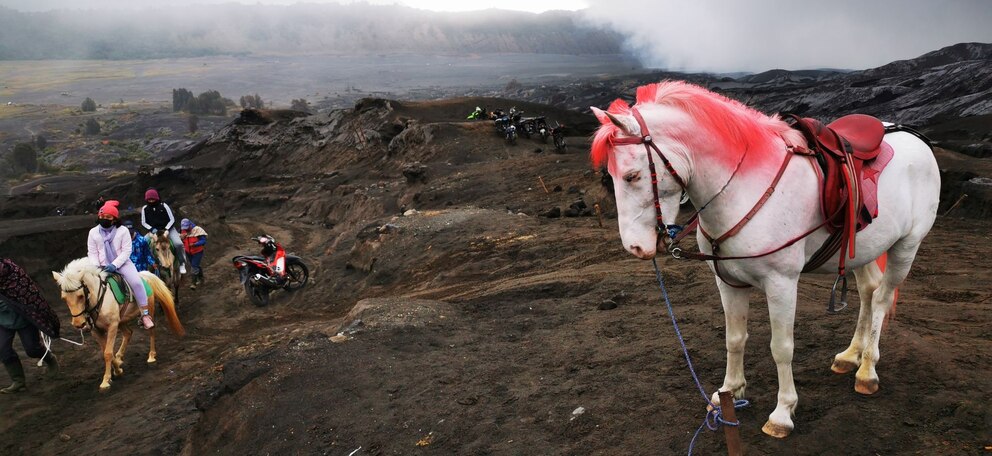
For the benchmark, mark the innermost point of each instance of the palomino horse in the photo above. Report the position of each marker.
(168, 267)
(724, 155)
(85, 290)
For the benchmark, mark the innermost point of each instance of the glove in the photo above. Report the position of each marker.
(154, 231)
(110, 268)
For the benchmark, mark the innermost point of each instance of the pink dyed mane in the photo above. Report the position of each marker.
(730, 123)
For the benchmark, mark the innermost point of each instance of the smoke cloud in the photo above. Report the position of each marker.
(758, 35)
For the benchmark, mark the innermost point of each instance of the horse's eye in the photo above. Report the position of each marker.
(631, 177)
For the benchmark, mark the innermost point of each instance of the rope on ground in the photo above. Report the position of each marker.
(47, 342)
(714, 416)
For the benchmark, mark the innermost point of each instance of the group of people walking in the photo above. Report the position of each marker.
(113, 245)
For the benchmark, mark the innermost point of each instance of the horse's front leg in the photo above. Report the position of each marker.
(781, 295)
(108, 355)
(735, 308)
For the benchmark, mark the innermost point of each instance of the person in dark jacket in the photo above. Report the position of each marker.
(23, 311)
(157, 216)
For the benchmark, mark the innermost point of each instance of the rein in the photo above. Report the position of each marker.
(88, 310)
(676, 233)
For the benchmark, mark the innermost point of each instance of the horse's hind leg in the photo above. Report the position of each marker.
(900, 259)
(119, 357)
(868, 278)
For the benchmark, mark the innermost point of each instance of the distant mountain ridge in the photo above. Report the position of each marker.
(297, 29)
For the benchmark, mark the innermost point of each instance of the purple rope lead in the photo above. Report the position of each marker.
(714, 417)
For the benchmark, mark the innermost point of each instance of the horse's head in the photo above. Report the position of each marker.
(162, 246)
(618, 144)
(73, 286)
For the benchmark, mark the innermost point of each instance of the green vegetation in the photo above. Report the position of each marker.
(209, 102)
(88, 105)
(252, 101)
(301, 105)
(92, 127)
(23, 159)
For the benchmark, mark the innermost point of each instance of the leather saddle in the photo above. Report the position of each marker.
(841, 148)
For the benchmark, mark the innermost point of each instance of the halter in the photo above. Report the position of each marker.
(649, 145)
(87, 310)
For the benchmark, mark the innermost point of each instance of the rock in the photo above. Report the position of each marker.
(554, 212)
(415, 172)
(64, 437)
(410, 212)
(608, 304)
(577, 413)
(340, 338)
(557, 188)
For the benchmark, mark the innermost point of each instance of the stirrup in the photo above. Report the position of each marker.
(831, 308)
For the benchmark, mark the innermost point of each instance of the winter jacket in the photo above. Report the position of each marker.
(141, 254)
(194, 240)
(158, 216)
(21, 295)
(120, 244)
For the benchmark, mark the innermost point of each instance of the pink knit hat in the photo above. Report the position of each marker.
(110, 208)
(151, 194)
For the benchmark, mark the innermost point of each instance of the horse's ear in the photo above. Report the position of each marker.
(57, 276)
(619, 120)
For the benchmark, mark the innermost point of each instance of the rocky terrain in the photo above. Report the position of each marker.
(450, 311)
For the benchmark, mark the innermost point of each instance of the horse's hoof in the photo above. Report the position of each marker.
(841, 366)
(866, 387)
(776, 430)
(151, 360)
(104, 388)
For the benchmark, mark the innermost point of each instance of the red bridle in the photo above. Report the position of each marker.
(649, 145)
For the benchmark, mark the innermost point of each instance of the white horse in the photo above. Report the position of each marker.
(726, 156)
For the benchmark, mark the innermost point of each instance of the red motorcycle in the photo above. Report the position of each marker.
(274, 269)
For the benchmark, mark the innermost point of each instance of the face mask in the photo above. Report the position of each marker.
(105, 223)
(152, 203)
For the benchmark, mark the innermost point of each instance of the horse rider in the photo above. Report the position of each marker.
(23, 311)
(109, 247)
(157, 216)
(141, 250)
(194, 240)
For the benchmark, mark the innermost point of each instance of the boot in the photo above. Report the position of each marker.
(51, 366)
(16, 372)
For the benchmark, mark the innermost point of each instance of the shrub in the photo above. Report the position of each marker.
(301, 105)
(24, 158)
(88, 105)
(92, 127)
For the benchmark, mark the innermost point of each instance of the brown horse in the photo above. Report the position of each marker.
(165, 258)
(85, 290)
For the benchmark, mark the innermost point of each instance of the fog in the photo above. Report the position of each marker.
(756, 35)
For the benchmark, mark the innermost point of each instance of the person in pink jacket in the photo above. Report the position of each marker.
(109, 247)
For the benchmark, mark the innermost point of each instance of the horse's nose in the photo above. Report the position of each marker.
(640, 252)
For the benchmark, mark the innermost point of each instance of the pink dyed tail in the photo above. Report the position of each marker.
(880, 261)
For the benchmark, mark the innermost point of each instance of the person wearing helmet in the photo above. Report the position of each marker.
(194, 240)
(157, 216)
(275, 256)
(141, 250)
(109, 247)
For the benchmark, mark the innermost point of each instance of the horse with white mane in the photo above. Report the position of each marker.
(93, 306)
(724, 155)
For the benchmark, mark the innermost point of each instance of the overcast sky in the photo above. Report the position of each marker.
(721, 35)
(756, 35)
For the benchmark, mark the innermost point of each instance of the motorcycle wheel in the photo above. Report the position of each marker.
(258, 295)
(297, 275)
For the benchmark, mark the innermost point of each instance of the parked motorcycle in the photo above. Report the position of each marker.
(260, 275)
